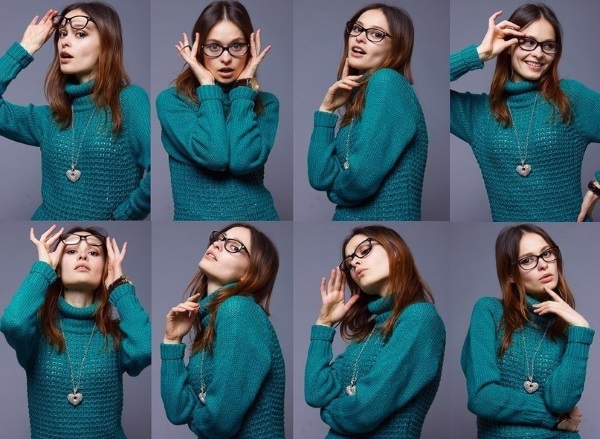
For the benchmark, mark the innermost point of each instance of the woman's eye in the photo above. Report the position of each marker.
(236, 46)
(526, 261)
(71, 251)
(357, 29)
(548, 253)
(94, 253)
(213, 47)
(377, 34)
(62, 34)
(81, 34)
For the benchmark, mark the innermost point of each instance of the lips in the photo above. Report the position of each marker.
(359, 271)
(226, 72)
(356, 50)
(65, 56)
(82, 267)
(546, 278)
(534, 65)
(210, 255)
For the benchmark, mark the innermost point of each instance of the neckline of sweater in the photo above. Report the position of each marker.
(74, 318)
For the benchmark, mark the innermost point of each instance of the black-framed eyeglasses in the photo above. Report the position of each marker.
(230, 244)
(77, 21)
(361, 251)
(373, 34)
(74, 239)
(530, 262)
(530, 44)
(214, 50)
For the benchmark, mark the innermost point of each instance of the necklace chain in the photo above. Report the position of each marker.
(530, 385)
(77, 386)
(75, 159)
(346, 163)
(202, 394)
(351, 388)
(523, 153)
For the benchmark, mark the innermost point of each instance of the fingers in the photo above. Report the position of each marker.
(323, 288)
(194, 298)
(346, 68)
(351, 302)
(552, 294)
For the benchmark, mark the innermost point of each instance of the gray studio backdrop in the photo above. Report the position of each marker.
(169, 20)
(318, 46)
(316, 252)
(468, 24)
(20, 165)
(16, 257)
(176, 250)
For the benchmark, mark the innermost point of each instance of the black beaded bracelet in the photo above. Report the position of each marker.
(595, 189)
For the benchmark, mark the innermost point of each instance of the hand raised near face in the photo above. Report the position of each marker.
(340, 91)
(115, 258)
(498, 38)
(37, 33)
(189, 55)
(256, 56)
(180, 319)
(45, 243)
(334, 307)
(560, 308)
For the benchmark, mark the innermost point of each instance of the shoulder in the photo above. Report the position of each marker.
(237, 307)
(389, 78)
(420, 313)
(486, 306)
(133, 93)
(268, 98)
(171, 97)
(575, 89)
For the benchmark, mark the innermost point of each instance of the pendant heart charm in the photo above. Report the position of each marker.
(351, 390)
(202, 396)
(530, 386)
(75, 398)
(524, 170)
(346, 164)
(73, 175)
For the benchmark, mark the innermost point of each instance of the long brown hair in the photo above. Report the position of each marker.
(103, 316)
(186, 82)
(407, 285)
(257, 283)
(548, 84)
(110, 75)
(514, 302)
(402, 35)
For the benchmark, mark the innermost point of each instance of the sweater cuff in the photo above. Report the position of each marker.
(172, 351)
(206, 92)
(243, 92)
(120, 291)
(324, 119)
(45, 270)
(320, 332)
(598, 175)
(468, 57)
(550, 421)
(580, 334)
(19, 54)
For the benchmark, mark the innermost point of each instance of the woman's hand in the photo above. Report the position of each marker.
(339, 92)
(333, 308)
(571, 421)
(560, 308)
(590, 200)
(189, 53)
(44, 244)
(256, 56)
(36, 33)
(494, 41)
(115, 260)
(180, 320)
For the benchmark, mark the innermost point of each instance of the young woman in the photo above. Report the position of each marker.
(233, 385)
(373, 167)
(61, 326)
(94, 136)
(217, 128)
(525, 355)
(384, 383)
(530, 134)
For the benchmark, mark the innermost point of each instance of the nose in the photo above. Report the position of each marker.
(225, 57)
(354, 261)
(362, 36)
(218, 244)
(542, 265)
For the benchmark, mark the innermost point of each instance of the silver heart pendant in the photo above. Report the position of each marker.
(73, 174)
(351, 390)
(524, 170)
(530, 386)
(202, 396)
(75, 398)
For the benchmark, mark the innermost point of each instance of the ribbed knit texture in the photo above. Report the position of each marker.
(495, 384)
(386, 148)
(397, 379)
(98, 416)
(217, 152)
(112, 166)
(244, 377)
(552, 191)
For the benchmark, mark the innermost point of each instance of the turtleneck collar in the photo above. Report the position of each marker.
(538, 320)
(203, 314)
(381, 309)
(71, 312)
(81, 93)
(521, 94)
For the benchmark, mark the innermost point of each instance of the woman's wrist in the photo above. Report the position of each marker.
(167, 340)
(324, 109)
(30, 50)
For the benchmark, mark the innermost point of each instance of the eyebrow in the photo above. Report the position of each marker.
(546, 247)
(235, 40)
(374, 27)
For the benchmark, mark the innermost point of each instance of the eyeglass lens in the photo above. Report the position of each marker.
(76, 22)
(74, 239)
(530, 262)
(215, 50)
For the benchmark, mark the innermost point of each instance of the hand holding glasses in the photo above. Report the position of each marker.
(37, 33)
(77, 22)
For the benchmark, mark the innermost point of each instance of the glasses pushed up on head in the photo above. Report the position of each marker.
(530, 262)
(361, 251)
(530, 44)
(74, 239)
(214, 50)
(373, 34)
(77, 22)
(229, 244)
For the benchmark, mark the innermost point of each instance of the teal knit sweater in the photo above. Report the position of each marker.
(244, 377)
(98, 416)
(386, 148)
(397, 378)
(217, 152)
(552, 191)
(495, 384)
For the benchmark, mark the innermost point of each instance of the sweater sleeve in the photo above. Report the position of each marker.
(386, 127)
(242, 361)
(136, 114)
(135, 329)
(563, 388)
(465, 106)
(23, 124)
(195, 132)
(322, 380)
(20, 322)
(251, 137)
(410, 360)
(487, 396)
